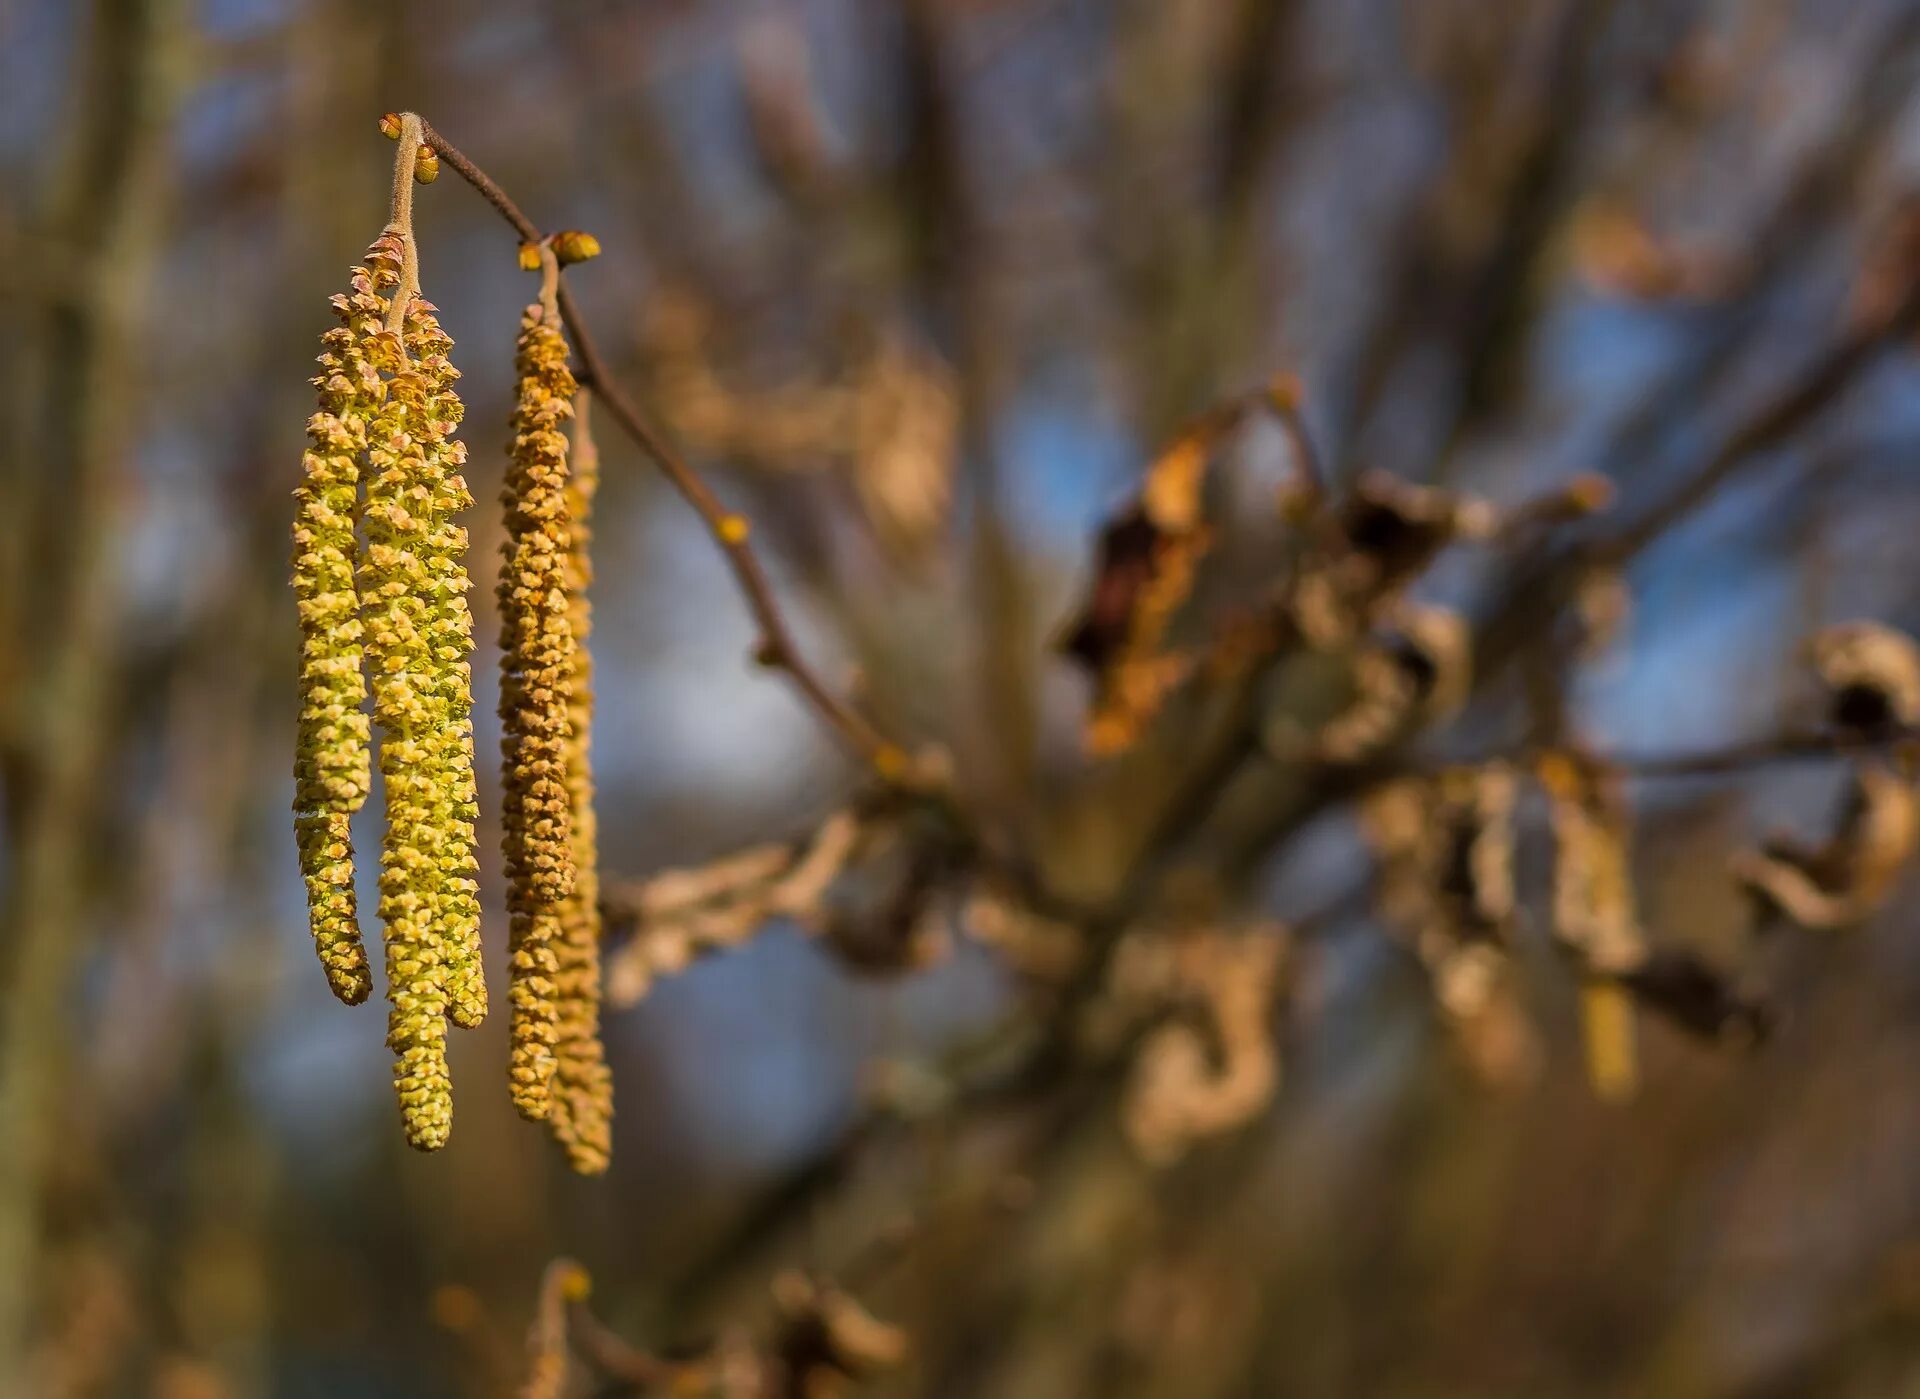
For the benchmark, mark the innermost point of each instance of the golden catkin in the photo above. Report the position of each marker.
(413, 587)
(582, 1108)
(533, 936)
(535, 694)
(331, 768)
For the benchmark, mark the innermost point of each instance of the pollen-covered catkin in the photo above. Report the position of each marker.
(413, 587)
(331, 767)
(449, 639)
(582, 1108)
(535, 695)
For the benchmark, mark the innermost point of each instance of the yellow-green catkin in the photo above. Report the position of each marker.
(331, 767)
(418, 633)
(450, 642)
(536, 680)
(582, 1110)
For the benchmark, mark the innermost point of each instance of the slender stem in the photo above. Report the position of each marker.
(549, 283)
(1789, 747)
(777, 649)
(401, 220)
(1811, 745)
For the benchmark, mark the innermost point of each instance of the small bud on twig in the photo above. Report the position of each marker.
(571, 245)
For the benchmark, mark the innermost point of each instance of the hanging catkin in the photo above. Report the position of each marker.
(432, 420)
(413, 587)
(331, 770)
(381, 583)
(535, 696)
(582, 1107)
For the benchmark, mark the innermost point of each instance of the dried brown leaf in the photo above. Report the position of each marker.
(1147, 560)
(1872, 676)
(1207, 1062)
(1849, 876)
(1444, 845)
(679, 915)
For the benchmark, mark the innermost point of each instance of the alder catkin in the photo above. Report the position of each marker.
(535, 696)
(331, 768)
(417, 633)
(582, 1108)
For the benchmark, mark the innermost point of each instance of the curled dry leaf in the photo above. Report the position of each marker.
(682, 914)
(1388, 532)
(1415, 671)
(1384, 536)
(1147, 562)
(1445, 850)
(1872, 677)
(1207, 1063)
(874, 883)
(1395, 528)
(1148, 557)
(827, 1340)
(1849, 876)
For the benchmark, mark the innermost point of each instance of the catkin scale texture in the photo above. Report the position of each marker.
(332, 774)
(417, 634)
(582, 1111)
(536, 695)
(432, 419)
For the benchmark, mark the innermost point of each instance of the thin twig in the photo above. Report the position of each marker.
(405, 161)
(1808, 745)
(1738, 757)
(730, 531)
(613, 1358)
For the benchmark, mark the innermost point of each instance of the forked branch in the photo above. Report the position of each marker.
(730, 531)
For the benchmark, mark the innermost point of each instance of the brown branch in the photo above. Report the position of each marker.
(1789, 747)
(612, 1357)
(1541, 587)
(1820, 384)
(729, 530)
(1806, 745)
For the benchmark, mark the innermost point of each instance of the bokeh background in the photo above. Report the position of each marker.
(920, 284)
